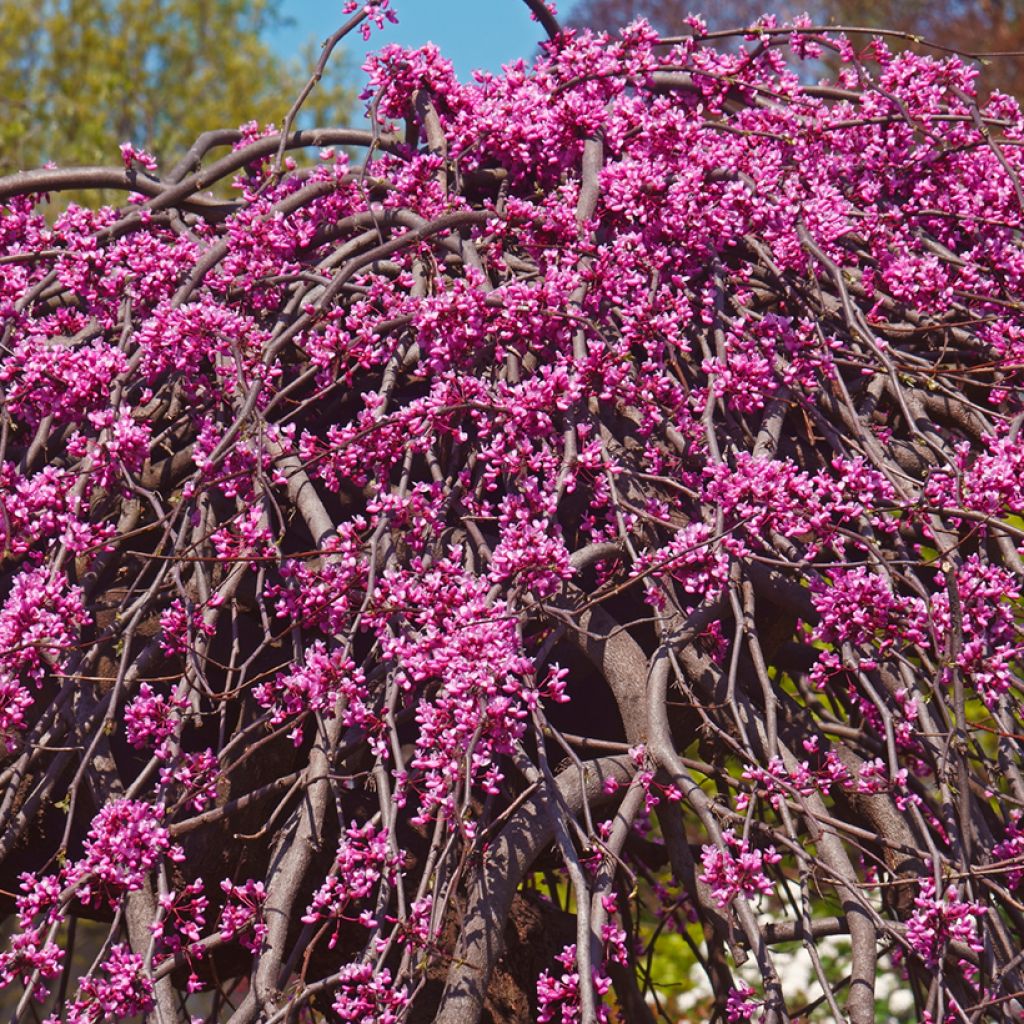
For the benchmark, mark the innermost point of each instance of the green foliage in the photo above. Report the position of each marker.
(78, 77)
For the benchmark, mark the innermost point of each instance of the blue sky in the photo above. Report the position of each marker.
(471, 33)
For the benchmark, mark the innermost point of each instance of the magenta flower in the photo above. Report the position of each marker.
(939, 920)
(738, 869)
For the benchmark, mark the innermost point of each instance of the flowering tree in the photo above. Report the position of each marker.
(590, 517)
(992, 33)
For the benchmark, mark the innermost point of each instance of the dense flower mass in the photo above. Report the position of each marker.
(582, 509)
(736, 870)
(938, 921)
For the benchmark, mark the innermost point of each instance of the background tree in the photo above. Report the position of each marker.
(590, 519)
(79, 77)
(991, 26)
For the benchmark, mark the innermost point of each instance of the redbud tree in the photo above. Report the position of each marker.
(578, 513)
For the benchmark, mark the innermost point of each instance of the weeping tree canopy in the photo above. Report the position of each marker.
(989, 31)
(586, 520)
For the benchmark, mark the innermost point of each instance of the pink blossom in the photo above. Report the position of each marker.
(940, 920)
(739, 1004)
(364, 859)
(368, 995)
(737, 870)
(242, 915)
(124, 989)
(125, 842)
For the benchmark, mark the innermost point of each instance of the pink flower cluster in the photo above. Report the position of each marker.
(152, 718)
(364, 858)
(242, 916)
(859, 608)
(1011, 849)
(558, 998)
(318, 684)
(737, 869)
(28, 952)
(939, 920)
(126, 840)
(532, 552)
(365, 994)
(740, 1004)
(179, 927)
(992, 643)
(460, 655)
(123, 990)
(39, 623)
